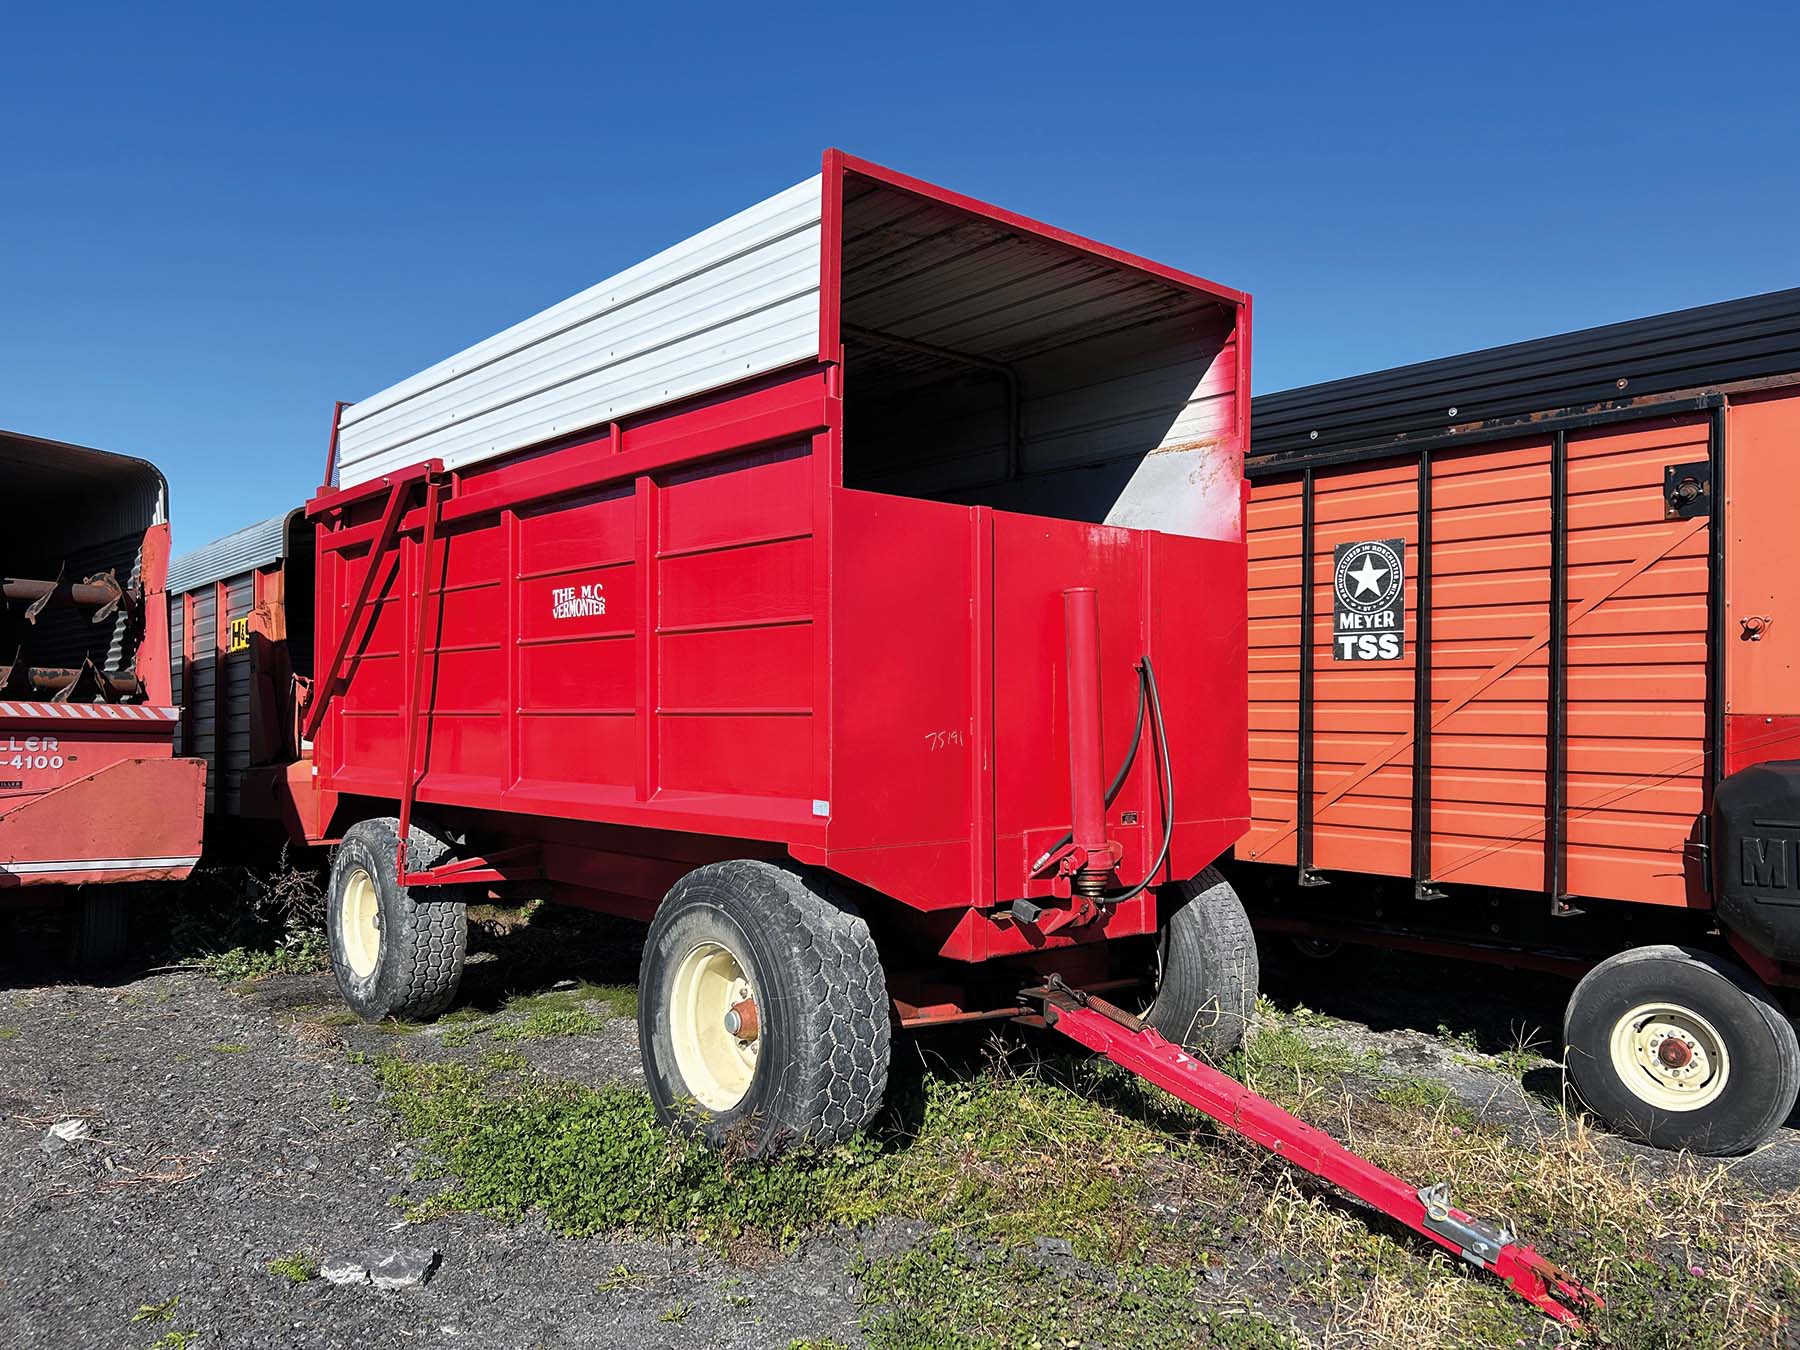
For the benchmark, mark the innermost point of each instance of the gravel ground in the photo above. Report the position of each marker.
(232, 1127)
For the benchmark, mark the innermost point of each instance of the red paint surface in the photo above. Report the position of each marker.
(684, 623)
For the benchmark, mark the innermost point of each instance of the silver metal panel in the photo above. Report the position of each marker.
(243, 550)
(734, 301)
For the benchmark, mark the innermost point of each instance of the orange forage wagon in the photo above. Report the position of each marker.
(1524, 685)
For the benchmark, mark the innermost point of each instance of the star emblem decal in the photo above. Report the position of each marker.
(1368, 576)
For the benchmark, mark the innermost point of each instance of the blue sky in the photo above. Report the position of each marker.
(215, 222)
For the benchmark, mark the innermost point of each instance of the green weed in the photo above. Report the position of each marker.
(295, 1268)
(157, 1312)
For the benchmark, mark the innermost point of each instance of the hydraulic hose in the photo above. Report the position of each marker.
(1165, 780)
(1165, 787)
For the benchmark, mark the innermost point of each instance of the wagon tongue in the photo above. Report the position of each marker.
(1131, 1044)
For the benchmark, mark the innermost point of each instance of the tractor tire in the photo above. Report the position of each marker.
(1207, 969)
(1681, 1049)
(762, 1010)
(104, 928)
(395, 953)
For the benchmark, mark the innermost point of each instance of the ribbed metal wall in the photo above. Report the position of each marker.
(737, 300)
(241, 551)
(1688, 349)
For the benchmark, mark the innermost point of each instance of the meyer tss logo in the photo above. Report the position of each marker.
(1763, 863)
(1369, 600)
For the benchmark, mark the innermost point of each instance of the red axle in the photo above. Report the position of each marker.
(1129, 1043)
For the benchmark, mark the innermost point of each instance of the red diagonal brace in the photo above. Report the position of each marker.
(409, 786)
(1132, 1045)
(399, 487)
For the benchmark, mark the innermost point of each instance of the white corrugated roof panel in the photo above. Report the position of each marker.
(734, 301)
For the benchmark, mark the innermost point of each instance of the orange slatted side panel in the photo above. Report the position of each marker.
(1362, 710)
(1490, 611)
(1273, 529)
(1637, 667)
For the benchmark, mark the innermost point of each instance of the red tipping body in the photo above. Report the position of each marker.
(792, 618)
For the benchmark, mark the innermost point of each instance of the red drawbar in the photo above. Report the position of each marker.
(1127, 1042)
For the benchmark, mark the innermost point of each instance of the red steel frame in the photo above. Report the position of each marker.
(780, 439)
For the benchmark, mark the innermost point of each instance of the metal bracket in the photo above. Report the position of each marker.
(1479, 1242)
(1687, 490)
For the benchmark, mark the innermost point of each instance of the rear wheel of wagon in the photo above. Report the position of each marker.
(396, 952)
(1678, 1048)
(762, 1010)
(1207, 968)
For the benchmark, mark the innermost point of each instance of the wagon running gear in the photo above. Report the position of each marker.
(1681, 1049)
(762, 1011)
(395, 953)
(1208, 973)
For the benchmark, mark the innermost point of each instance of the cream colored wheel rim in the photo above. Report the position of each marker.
(1670, 1056)
(713, 1026)
(359, 920)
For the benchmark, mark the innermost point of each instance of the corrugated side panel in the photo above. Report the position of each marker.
(1636, 680)
(1362, 710)
(243, 550)
(178, 667)
(734, 301)
(1490, 625)
(202, 693)
(1274, 538)
(240, 599)
(1637, 666)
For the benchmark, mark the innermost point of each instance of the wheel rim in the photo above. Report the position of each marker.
(714, 1026)
(359, 920)
(1670, 1056)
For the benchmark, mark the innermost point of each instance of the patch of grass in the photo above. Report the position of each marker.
(175, 1340)
(240, 925)
(597, 1159)
(295, 1268)
(618, 999)
(543, 1023)
(505, 1061)
(393, 1026)
(675, 1313)
(299, 952)
(947, 1294)
(157, 1312)
(229, 1048)
(621, 1276)
(1075, 1148)
(337, 1017)
(461, 1033)
(9, 1033)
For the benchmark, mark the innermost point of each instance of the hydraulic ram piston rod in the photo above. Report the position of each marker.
(1129, 1043)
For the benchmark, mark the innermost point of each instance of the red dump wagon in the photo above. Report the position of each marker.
(1525, 685)
(91, 793)
(857, 587)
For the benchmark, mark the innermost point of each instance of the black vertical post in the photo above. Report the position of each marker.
(1715, 600)
(1423, 889)
(1303, 839)
(1715, 635)
(1556, 697)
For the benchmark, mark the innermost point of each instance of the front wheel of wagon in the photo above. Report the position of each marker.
(762, 1010)
(1207, 968)
(1682, 1050)
(396, 952)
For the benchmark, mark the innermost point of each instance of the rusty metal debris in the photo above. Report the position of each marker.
(101, 592)
(64, 683)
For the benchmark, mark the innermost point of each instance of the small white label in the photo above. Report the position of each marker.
(821, 808)
(586, 601)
